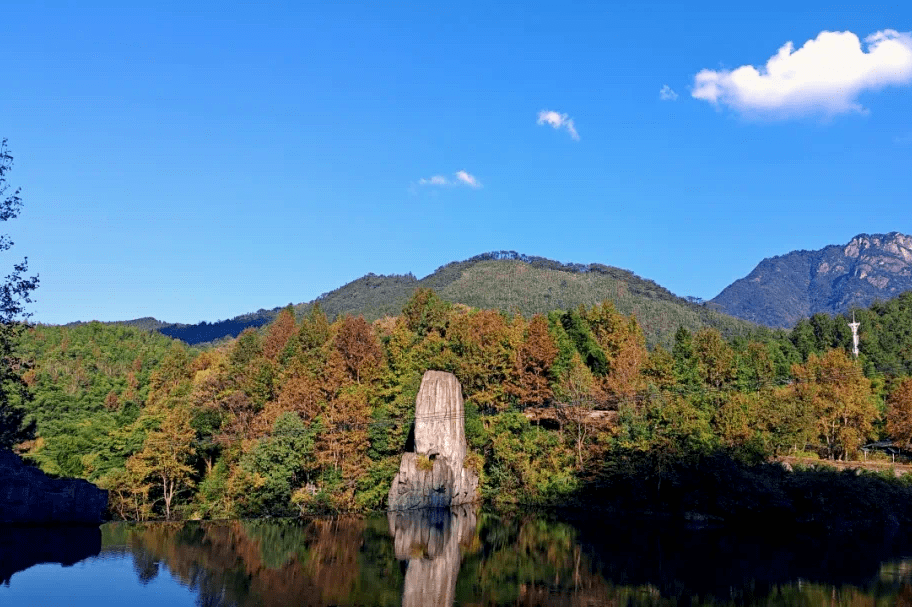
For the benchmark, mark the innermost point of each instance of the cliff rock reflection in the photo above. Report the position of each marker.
(24, 547)
(429, 541)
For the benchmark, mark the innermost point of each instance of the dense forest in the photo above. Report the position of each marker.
(309, 415)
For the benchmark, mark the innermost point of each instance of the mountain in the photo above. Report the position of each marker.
(203, 332)
(503, 280)
(782, 290)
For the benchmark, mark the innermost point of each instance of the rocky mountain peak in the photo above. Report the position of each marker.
(893, 243)
(782, 290)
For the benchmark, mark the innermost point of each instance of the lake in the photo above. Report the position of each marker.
(461, 557)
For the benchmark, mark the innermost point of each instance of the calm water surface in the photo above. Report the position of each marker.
(441, 558)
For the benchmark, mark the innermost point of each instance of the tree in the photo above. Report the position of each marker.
(835, 389)
(621, 340)
(357, 343)
(165, 456)
(128, 494)
(342, 443)
(533, 364)
(715, 359)
(15, 293)
(899, 414)
(279, 462)
(659, 369)
(581, 336)
(755, 368)
(484, 345)
(685, 360)
(280, 331)
(579, 391)
(425, 312)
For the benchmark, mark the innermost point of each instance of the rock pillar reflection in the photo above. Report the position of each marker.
(429, 540)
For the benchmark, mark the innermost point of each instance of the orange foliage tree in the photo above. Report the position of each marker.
(839, 395)
(533, 361)
(358, 347)
(899, 414)
(624, 345)
(278, 334)
(484, 347)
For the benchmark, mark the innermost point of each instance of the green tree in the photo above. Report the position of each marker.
(15, 293)
(685, 360)
(426, 312)
(280, 462)
(574, 323)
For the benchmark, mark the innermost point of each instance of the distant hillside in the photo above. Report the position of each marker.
(782, 290)
(508, 280)
(504, 280)
(198, 333)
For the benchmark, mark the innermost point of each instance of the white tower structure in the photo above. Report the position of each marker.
(854, 326)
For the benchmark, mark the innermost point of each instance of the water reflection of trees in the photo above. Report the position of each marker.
(497, 560)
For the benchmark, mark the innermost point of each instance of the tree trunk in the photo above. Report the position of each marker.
(168, 494)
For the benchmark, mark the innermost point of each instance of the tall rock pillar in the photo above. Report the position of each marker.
(435, 476)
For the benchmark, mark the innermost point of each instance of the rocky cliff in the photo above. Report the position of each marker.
(28, 495)
(435, 475)
(782, 290)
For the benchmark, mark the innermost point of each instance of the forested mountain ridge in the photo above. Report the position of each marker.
(782, 290)
(199, 333)
(312, 416)
(503, 280)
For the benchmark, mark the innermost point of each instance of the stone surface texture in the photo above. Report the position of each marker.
(435, 476)
(28, 495)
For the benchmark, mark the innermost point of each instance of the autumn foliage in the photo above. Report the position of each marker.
(311, 414)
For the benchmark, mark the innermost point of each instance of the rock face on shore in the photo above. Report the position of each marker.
(28, 495)
(435, 476)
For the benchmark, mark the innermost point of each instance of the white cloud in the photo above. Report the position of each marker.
(557, 121)
(825, 76)
(459, 178)
(435, 180)
(667, 94)
(468, 179)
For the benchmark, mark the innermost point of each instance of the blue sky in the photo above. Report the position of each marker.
(194, 162)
